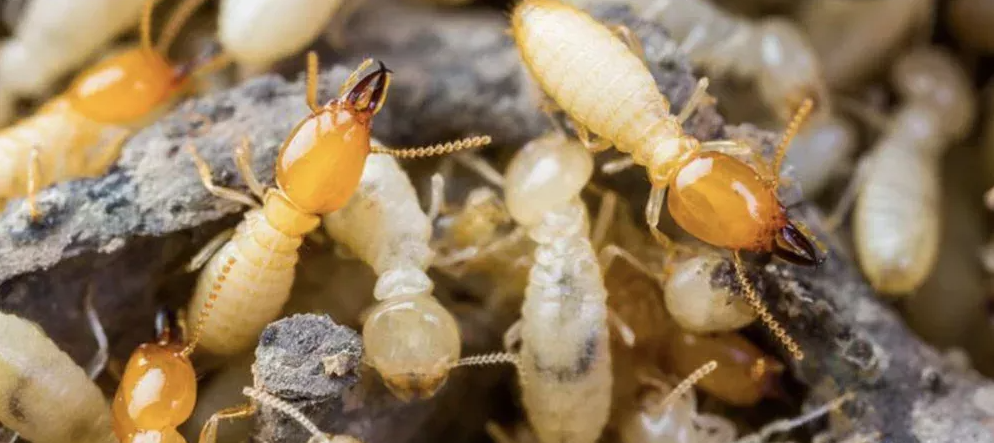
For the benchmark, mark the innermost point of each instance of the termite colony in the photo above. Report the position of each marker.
(678, 310)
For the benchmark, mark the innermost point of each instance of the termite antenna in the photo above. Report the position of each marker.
(786, 425)
(496, 358)
(764, 314)
(688, 383)
(312, 82)
(145, 27)
(433, 150)
(181, 13)
(205, 311)
(279, 404)
(793, 127)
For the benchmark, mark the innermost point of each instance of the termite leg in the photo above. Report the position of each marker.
(481, 168)
(787, 425)
(98, 362)
(512, 337)
(605, 217)
(497, 433)
(617, 165)
(632, 41)
(694, 101)
(243, 159)
(207, 251)
(593, 144)
(472, 253)
(353, 78)
(34, 179)
(437, 198)
(609, 253)
(109, 154)
(550, 108)
(209, 432)
(624, 331)
(219, 191)
(848, 198)
(653, 209)
(730, 147)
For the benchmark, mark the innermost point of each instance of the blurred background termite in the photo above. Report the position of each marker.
(80, 133)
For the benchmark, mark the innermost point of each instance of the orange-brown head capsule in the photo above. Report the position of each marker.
(724, 202)
(130, 87)
(319, 165)
(157, 392)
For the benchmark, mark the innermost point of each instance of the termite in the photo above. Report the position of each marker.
(318, 169)
(668, 413)
(606, 89)
(80, 133)
(745, 373)
(700, 295)
(158, 390)
(896, 219)
(786, 69)
(52, 38)
(409, 337)
(257, 33)
(44, 395)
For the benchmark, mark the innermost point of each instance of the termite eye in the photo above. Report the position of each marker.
(794, 246)
(123, 89)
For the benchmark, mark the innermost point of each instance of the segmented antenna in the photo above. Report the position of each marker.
(496, 358)
(205, 311)
(764, 315)
(795, 124)
(433, 150)
(312, 82)
(288, 409)
(688, 383)
(181, 13)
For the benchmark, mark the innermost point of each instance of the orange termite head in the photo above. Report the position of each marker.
(129, 87)
(321, 162)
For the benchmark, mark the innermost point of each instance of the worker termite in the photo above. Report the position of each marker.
(609, 91)
(80, 133)
(744, 376)
(257, 33)
(409, 337)
(44, 395)
(318, 169)
(896, 219)
(668, 413)
(52, 37)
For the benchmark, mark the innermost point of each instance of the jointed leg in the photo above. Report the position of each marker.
(437, 199)
(694, 101)
(617, 165)
(593, 144)
(99, 360)
(482, 168)
(653, 209)
(512, 337)
(630, 39)
(849, 194)
(730, 147)
(219, 191)
(209, 433)
(498, 434)
(108, 155)
(207, 251)
(243, 159)
(605, 217)
(625, 332)
(34, 181)
(312, 82)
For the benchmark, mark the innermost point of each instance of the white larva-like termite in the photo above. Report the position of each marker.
(52, 38)
(409, 337)
(257, 33)
(896, 219)
(44, 395)
(699, 296)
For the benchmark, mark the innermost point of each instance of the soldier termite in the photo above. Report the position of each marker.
(609, 91)
(317, 171)
(409, 337)
(257, 33)
(44, 395)
(53, 37)
(896, 220)
(80, 133)
(777, 55)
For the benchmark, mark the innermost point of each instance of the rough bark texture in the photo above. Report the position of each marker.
(457, 74)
